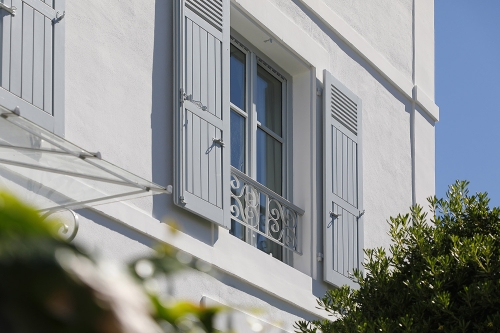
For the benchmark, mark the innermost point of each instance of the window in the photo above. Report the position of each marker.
(258, 106)
(230, 133)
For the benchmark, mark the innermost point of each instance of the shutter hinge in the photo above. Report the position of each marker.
(10, 10)
(319, 91)
(361, 214)
(320, 256)
(182, 96)
(182, 199)
(58, 17)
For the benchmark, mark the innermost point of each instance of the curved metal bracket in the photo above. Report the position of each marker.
(66, 230)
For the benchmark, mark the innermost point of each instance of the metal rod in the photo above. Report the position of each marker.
(11, 10)
(90, 162)
(63, 172)
(40, 150)
(83, 203)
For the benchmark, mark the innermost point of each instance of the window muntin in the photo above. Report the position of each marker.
(259, 95)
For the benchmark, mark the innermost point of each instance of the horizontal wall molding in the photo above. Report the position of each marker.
(366, 51)
(426, 103)
(282, 281)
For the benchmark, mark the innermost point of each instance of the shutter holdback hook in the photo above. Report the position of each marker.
(59, 17)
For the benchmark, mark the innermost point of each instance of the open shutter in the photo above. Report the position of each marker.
(202, 116)
(32, 60)
(343, 227)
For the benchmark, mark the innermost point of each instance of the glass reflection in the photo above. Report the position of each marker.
(237, 141)
(269, 161)
(238, 78)
(268, 103)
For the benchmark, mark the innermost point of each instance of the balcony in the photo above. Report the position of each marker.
(264, 212)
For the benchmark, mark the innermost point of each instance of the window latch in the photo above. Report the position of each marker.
(11, 10)
(199, 104)
(218, 141)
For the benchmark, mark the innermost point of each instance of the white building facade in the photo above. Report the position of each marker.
(289, 131)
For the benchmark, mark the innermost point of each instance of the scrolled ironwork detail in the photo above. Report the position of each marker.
(65, 221)
(263, 212)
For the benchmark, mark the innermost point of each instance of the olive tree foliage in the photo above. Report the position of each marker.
(50, 285)
(440, 274)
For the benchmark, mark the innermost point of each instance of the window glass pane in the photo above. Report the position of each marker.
(237, 69)
(269, 161)
(237, 141)
(268, 101)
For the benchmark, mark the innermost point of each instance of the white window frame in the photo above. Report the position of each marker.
(254, 58)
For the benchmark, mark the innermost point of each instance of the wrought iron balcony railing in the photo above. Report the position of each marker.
(263, 211)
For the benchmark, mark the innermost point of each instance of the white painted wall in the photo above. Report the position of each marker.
(119, 102)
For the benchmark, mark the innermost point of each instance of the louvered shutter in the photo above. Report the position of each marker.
(202, 119)
(32, 61)
(343, 221)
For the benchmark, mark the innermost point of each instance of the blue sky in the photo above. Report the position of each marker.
(468, 95)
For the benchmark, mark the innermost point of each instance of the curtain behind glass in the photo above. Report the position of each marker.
(269, 150)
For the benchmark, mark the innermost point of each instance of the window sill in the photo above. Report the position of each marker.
(229, 254)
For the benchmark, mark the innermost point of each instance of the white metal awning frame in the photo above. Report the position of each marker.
(61, 147)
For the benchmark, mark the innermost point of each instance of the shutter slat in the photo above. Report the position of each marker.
(189, 151)
(5, 34)
(218, 80)
(346, 100)
(344, 167)
(38, 59)
(342, 183)
(27, 54)
(188, 79)
(212, 182)
(210, 10)
(344, 109)
(350, 170)
(218, 172)
(196, 156)
(205, 144)
(196, 63)
(348, 116)
(47, 70)
(204, 69)
(211, 78)
(16, 49)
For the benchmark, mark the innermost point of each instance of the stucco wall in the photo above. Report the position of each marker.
(387, 25)
(109, 66)
(119, 102)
